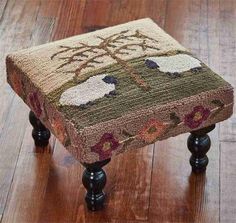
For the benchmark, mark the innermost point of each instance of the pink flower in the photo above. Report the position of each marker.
(35, 104)
(196, 117)
(105, 146)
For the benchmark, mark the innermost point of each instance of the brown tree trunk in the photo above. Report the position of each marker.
(132, 72)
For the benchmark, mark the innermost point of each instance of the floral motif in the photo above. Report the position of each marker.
(196, 117)
(152, 131)
(59, 129)
(105, 146)
(35, 104)
(16, 84)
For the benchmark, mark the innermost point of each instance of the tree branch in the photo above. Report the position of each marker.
(125, 47)
(71, 60)
(143, 45)
(66, 49)
(137, 35)
(102, 49)
(110, 39)
(81, 54)
(143, 36)
(89, 63)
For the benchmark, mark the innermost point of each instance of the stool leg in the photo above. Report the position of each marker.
(199, 144)
(40, 133)
(94, 180)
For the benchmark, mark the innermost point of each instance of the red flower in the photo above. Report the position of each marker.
(16, 83)
(196, 117)
(35, 104)
(59, 129)
(152, 131)
(105, 146)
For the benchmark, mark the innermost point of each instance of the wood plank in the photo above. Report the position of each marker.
(6, 98)
(177, 195)
(11, 30)
(69, 18)
(227, 35)
(22, 191)
(213, 30)
(3, 5)
(5, 95)
(227, 182)
(127, 189)
(11, 125)
(10, 147)
(103, 13)
(8, 43)
(189, 28)
(19, 195)
(17, 31)
(29, 183)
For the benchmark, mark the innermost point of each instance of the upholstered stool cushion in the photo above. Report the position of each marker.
(122, 87)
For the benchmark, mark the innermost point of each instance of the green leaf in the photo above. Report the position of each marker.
(126, 133)
(217, 103)
(175, 118)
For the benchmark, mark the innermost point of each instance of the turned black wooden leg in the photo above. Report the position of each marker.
(199, 144)
(40, 133)
(94, 180)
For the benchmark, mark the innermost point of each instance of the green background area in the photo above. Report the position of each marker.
(130, 97)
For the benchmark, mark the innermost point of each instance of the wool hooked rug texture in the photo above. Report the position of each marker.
(121, 87)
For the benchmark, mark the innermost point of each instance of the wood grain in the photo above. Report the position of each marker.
(153, 184)
(179, 195)
(29, 184)
(69, 18)
(227, 182)
(227, 34)
(10, 147)
(184, 199)
(227, 42)
(21, 31)
(109, 12)
(11, 125)
(128, 186)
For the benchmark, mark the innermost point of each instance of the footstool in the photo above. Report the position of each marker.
(115, 89)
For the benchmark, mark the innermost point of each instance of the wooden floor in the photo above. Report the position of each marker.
(153, 184)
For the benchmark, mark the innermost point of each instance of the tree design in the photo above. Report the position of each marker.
(114, 46)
